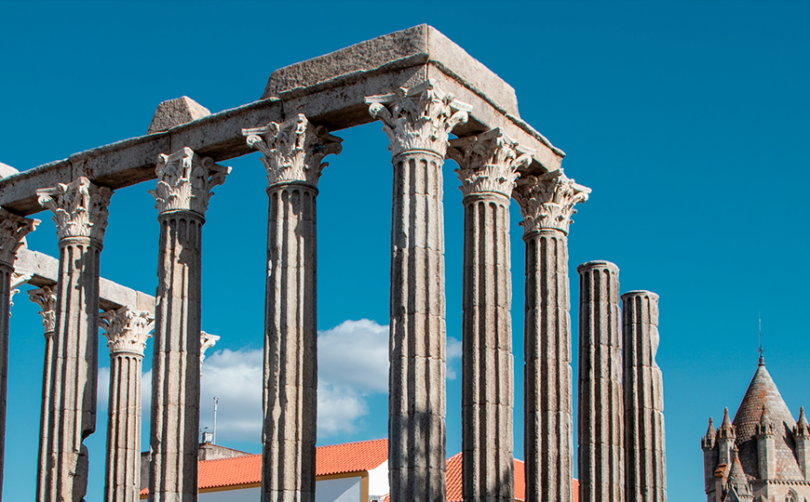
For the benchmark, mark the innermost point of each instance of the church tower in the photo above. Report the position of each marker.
(763, 455)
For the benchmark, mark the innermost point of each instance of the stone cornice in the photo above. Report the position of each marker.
(206, 342)
(293, 150)
(418, 118)
(185, 181)
(488, 162)
(126, 330)
(13, 229)
(45, 297)
(547, 202)
(79, 208)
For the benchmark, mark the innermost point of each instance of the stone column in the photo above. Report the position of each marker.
(293, 151)
(547, 203)
(13, 229)
(644, 442)
(80, 213)
(183, 190)
(127, 331)
(45, 297)
(488, 166)
(601, 447)
(417, 121)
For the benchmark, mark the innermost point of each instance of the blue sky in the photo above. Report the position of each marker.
(689, 120)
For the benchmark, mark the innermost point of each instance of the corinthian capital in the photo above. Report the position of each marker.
(45, 297)
(418, 118)
(206, 342)
(293, 150)
(17, 280)
(185, 181)
(488, 162)
(547, 201)
(79, 208)
(127, 329)
(13, 229)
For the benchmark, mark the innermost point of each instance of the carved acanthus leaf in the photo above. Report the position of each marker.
(293, 150)
(206, 342)
(45, 297)
(489, 162)
(127, 329)
(17, 280)
(185, 181)
(547, 201)
(419, 117)
(79, 208)
(13, 229)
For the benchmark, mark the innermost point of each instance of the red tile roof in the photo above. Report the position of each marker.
(454, 480)
(334, 459)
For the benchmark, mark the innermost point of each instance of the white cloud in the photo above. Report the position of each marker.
(352, 365)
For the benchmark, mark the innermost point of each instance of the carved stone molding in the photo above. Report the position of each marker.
(127, 329)
(17, 280)
(185, 181)
(206, 342)
(45, 297)
(293, 150)
(547, 201)
(489, 162)
(79, 208)
(419, 117)
(13, 229)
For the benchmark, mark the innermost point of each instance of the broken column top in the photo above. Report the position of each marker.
(175, 112)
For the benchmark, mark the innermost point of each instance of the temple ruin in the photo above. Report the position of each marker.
(423, 88)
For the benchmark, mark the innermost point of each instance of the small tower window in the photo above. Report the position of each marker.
(791, 497)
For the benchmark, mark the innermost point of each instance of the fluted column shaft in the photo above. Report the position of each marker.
(644, 441)
(127, 331)
(176, 360)
(13, 229)
(487, 363)
(290, 351)
(80, 213)
(487, 170)
(45, 297)
(547, 372)
(417, 401)
(601, 458)
(293, 151)
(547, 204)
(417, 121)
(182, 202)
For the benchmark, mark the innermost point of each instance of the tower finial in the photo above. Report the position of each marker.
(760, 350)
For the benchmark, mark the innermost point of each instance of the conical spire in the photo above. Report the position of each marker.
(762, 393)
(802, 428)
(726, 429)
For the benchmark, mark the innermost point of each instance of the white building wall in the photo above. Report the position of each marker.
(339, 490)
(378, 481)
(244, 495)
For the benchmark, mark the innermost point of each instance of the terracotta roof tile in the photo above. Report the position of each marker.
(334, 459)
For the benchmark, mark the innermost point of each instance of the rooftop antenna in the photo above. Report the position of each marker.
(216, 402)
(761, 351)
